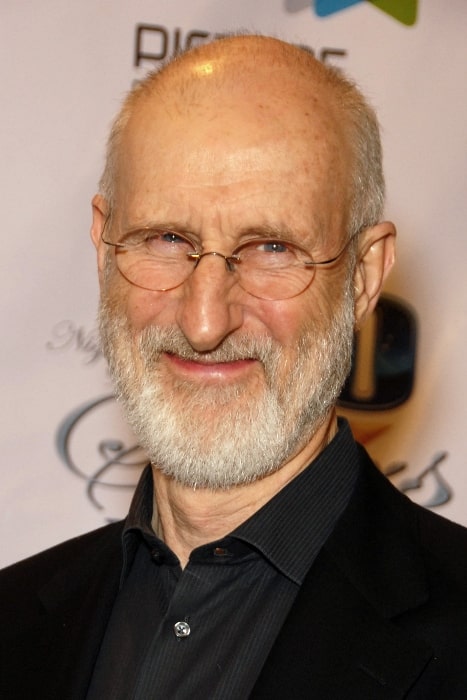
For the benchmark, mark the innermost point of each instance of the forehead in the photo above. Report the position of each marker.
(258, 146)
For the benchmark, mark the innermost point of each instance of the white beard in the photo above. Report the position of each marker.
(215, 436)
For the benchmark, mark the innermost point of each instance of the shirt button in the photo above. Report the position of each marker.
(182, 629)
(157, 556)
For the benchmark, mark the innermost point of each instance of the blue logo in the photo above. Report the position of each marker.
(404, 11)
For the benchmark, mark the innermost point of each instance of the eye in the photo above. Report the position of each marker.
(273, 247)
(160, 242)
(168, 237)
(142, 236)
(270, 253)
(157, 241)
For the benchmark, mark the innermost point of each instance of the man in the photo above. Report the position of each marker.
(239, 245)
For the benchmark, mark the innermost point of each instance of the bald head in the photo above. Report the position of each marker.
(239, 60)
(276, 86)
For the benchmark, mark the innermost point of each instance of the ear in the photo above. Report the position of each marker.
(99, 216)
(376, 257)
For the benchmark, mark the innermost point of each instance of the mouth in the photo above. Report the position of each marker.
(206, 368)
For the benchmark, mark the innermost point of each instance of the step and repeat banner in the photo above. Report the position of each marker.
(69, 464)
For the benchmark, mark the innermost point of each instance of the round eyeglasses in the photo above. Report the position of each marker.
(267, 268)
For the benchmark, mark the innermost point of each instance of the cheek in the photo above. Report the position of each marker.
(139, 306)
(282, 322)
(286, 321)
(150, 308)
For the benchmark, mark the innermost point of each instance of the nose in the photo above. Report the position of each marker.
(210, 309)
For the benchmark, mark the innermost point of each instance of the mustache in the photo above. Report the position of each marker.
(155, 340)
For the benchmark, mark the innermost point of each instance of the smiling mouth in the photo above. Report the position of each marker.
(209, 366)
(210, 358)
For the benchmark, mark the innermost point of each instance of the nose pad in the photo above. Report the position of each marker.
(230, 260)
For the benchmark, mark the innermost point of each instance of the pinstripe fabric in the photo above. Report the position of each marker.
(234, 594)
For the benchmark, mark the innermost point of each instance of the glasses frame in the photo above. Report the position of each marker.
(230, 260)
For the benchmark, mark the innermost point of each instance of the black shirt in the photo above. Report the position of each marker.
(206, 631)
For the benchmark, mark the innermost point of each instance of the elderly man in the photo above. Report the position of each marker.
(239, 245)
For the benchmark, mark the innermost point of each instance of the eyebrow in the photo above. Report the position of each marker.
(157, 225)
(281, 231)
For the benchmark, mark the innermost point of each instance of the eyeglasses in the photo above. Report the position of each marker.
(267, 268)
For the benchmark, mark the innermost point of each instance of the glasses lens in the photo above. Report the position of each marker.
(157, 262)
(274, 269)
(267, 269)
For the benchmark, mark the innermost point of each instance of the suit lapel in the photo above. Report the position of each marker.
(78, 600)
(339, 641)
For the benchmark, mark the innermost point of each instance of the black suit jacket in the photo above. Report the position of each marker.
(382, 614)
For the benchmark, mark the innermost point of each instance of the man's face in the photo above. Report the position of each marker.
(222, 387)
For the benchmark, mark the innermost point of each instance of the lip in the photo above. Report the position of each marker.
(214, 371)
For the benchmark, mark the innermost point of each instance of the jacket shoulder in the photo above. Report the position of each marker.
(33, 572)
(441, 542)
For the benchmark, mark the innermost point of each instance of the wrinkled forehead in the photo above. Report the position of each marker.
(249, 112)
(212, 124)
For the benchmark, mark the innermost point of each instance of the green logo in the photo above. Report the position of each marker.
(404, 11)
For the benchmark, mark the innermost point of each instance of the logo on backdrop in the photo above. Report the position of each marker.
(67, 335)
(95, 444)
(155, 43)
(383, 362)
(404, 12)
(97, 447)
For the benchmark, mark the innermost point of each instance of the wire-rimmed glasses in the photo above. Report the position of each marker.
(267, 268)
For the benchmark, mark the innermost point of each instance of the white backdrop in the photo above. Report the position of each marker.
(64, 69)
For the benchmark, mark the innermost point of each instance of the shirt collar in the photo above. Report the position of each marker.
(291, 528)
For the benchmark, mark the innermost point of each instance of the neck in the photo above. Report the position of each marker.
(188, 518)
